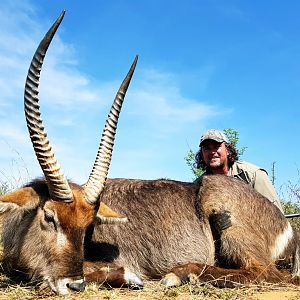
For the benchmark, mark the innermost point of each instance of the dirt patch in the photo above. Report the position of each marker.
(277, 295)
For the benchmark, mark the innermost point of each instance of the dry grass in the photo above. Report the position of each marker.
(152, 290)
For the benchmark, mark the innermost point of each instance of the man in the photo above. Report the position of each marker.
(217, 156)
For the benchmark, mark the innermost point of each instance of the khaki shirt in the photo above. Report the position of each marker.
(258, 178)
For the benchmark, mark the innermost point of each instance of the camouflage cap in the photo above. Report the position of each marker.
(215, 135)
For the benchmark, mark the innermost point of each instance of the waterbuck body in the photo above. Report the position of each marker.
(170, 224)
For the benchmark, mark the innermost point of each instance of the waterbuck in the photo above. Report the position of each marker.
(46, 220)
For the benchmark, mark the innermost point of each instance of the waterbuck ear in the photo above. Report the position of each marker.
(24, 197)
(107, 216)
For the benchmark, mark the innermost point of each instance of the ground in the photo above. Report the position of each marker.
(153, 290)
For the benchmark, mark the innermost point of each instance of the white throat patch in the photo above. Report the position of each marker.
(61, 239)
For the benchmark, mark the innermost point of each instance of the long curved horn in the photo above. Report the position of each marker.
(56, 181)
(97, 178)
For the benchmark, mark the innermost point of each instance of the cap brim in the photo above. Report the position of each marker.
(214, 139)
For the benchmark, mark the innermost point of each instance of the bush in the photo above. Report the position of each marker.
(291, 202)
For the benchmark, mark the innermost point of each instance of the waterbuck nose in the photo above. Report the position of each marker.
(77, 286)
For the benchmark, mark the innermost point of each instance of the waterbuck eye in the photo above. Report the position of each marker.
(49, 216)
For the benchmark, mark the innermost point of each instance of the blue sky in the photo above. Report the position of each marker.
(202, 64)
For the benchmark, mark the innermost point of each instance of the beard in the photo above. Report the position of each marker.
(216, 164)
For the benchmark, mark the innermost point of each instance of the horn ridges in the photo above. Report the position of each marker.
(98, 176)
(57, 183)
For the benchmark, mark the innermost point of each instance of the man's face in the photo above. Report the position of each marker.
(214, 154)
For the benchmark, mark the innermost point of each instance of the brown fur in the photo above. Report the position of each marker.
(104, 273)
(164, 229)
(30, 234)
(169, 226)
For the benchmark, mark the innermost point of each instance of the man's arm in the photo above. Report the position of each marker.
(263, 185)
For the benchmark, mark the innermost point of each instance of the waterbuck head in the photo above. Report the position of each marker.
(46, 220)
